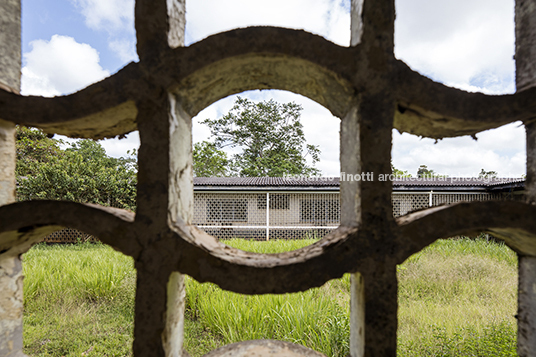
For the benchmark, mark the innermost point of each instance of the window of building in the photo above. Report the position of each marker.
(396, 208)
(277, 201)
(319, 210)
(227, 210)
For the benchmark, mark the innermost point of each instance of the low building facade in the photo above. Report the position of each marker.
(264, 208)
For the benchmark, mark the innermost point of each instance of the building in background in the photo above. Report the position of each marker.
(263, 208)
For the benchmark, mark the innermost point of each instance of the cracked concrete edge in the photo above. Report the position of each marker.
(18, 231)
(430, 109)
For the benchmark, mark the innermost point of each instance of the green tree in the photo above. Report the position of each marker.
(209, 161)
(487, 174)
(270, 137)
(34, 148)
(81, 173)
(424, 172)
(399, 173)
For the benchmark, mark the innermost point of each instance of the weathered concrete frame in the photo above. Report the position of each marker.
(363, 84)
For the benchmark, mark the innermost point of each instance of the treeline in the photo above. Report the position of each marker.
(81, 172)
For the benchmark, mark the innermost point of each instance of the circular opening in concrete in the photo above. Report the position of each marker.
(256, 180)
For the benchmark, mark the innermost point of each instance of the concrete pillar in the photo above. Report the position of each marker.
(350, 166)
(10, 12)
(10, 266)
(181, 187)
(181, 203)
(525, 16)
(154, 35)
(165, 171)
(357, 316)
(526, 341)
(351, 194)
(7, 162)
(10, 306)
(526, 299)
(356, 22)
(173, 336)
(176, 10)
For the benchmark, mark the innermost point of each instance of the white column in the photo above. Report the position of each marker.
(267, 216)
(180, 209)
(357, 315)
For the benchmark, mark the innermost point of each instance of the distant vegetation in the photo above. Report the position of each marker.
(80, 172)
(268, 139)
(456, 298)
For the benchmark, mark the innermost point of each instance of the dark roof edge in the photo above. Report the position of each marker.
(332, 184)
(266, 188)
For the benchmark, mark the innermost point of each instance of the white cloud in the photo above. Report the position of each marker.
(124, 49)
(110, 15)
(116, 17)
(329, 18)
(60, 66)
(36, 84)
(498, 150)
(119, 147)
(459, 42)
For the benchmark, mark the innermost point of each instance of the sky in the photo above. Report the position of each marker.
(467, 44)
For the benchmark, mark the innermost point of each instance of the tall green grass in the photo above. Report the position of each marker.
(78, 300)
(269, 247)
(78, 272)
(456, 298)
(318, 318)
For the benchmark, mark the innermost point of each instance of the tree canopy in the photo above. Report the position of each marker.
(209, 161)
(34, 149)
(424, 172)
(487, 174)
(399, 173)
(269, 136)
(82, 172)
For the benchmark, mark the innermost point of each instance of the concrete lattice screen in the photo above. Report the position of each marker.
(363, 84)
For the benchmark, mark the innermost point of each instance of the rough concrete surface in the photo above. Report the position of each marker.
(364, 84)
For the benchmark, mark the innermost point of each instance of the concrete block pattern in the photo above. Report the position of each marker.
(364, 85)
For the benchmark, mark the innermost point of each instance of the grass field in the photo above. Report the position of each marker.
(456, 298)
